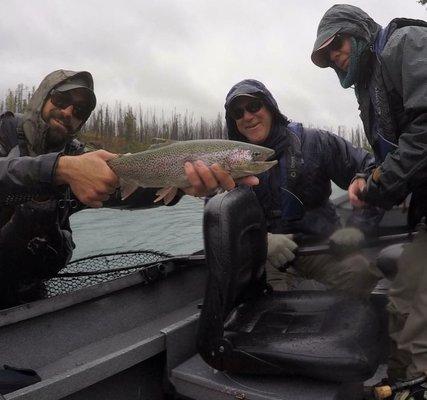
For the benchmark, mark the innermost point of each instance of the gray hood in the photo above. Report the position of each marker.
(342, 18)
(34, 127)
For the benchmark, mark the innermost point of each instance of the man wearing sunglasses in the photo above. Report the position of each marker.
(295, 193)
(40, 157)
(387, 66)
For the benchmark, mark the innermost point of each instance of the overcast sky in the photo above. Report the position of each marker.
(185, 54)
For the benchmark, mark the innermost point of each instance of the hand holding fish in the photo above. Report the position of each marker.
(197, 167)
(354, 190)
(205, 181)
(88, 175)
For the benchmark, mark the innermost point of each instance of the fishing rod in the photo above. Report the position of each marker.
(386, 391)
(330, 248)
(302, 251)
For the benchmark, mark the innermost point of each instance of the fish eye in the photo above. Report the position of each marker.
(256, 153)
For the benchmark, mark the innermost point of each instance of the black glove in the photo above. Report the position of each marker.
(31, 219)
(33, 244)
(375, 195)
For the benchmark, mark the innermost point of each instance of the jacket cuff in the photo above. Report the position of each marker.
(375, 196)
(359, 175)
(48, 167)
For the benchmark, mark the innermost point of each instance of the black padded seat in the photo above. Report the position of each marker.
(387, 259)
(246, 328)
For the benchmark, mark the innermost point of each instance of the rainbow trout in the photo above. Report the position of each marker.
(163, 167)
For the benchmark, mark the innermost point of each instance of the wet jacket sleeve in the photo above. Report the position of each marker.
(404, 62)
(26, 174)
(342, 161)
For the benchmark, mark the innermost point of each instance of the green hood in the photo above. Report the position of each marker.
(35, 128)
(342, 18)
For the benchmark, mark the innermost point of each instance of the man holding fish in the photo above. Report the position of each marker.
(39, 153)
(295, 192)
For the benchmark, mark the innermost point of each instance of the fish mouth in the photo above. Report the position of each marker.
(260, 166)
(253, 168)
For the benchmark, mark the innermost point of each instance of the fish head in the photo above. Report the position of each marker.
(250, 159)
(260, 153)
(252, 152)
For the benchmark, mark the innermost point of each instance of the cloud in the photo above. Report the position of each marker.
(187, 54)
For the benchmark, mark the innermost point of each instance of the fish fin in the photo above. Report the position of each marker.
(160, 142)
(167, 194)
(127, 188)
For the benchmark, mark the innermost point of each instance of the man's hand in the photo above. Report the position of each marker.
(204, 180)
(346, 240)
(280, 250)
(354, 191)
(88, 175)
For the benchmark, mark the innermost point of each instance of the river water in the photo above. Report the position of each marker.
(175, 230)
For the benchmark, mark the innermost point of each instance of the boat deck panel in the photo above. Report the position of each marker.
(78, 346)
(196, 380)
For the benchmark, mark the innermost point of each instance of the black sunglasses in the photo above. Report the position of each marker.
(62, 100)
(337, 43)
(251, 107)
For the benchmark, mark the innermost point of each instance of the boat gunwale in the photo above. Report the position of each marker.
(37, 308)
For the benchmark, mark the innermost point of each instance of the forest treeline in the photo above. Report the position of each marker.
(129, 128)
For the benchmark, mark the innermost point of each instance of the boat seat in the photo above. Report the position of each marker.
(245, 327)
(387, 260)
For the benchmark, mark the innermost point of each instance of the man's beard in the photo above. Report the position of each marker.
(59, 135)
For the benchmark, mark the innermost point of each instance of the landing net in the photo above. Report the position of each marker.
(101, 268)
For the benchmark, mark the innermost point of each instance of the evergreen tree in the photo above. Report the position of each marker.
(129, 125)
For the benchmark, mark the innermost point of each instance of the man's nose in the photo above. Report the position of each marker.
(247, 115)
(68, 111)
(333, 55)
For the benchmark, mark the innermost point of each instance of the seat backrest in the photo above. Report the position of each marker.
(235, 240)
(244, 328)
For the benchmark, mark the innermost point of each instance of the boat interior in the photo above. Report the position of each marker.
(202, 326)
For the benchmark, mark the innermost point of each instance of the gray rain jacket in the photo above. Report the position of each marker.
(295, 193)
(391, 90)
(35, 237)
(33, 171)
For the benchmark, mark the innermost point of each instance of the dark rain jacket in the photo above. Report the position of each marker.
(391, 90)
(295, 193)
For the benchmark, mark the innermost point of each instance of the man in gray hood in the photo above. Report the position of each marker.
(36, 147)
(388, 69)
(39, 154)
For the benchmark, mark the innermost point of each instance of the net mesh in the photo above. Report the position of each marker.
(101, 268)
